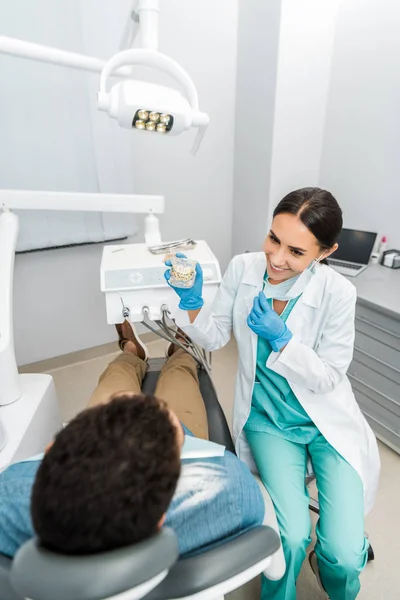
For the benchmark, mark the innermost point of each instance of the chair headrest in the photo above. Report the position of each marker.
(39, 574)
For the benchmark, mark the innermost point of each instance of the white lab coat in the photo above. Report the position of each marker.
(314, 362)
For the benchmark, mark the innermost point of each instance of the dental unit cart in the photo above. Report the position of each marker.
(132, 278)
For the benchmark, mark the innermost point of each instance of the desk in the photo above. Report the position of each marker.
(375, 370)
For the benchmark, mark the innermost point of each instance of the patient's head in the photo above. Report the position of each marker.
(109, 477)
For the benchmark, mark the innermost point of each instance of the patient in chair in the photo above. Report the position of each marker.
(115, 475)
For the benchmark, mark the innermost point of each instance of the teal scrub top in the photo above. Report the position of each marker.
(274, 407)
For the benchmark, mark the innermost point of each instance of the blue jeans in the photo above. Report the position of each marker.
(215, 498)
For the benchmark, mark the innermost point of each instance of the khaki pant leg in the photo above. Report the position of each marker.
(124, 374)
(178, 386)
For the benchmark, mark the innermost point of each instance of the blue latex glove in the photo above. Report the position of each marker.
(191, 298)
(266, 323)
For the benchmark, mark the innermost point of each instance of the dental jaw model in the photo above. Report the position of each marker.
(183, 272)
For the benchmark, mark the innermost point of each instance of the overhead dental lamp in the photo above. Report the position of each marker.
(138, 105)
(149, 107)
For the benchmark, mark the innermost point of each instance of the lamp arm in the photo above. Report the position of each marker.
(48, 54)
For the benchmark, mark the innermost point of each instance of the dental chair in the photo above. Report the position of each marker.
(151, 569)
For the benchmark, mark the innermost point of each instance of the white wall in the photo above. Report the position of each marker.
(304, 62)
(51, 127)
(58, 305)
(326, 76)
(361, 151)
(285, 53)
(51, 134)
(257, 62)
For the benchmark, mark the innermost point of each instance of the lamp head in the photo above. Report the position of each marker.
(149, 107)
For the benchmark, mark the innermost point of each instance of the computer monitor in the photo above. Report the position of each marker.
(355, 246)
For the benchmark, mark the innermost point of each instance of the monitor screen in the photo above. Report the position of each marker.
(355, 246)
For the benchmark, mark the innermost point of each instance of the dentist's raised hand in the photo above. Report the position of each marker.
(190, 298)
(266, 323)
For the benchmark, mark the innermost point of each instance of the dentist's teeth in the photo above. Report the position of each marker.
(277, 268)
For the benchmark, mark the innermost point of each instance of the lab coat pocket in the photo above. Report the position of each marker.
(244, 304)
(303, 323)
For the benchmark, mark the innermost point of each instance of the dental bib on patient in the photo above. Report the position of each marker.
(193, 448)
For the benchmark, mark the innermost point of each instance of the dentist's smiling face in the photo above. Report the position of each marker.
(290, 248)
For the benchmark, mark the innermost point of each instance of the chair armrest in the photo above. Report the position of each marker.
(7, 592)
(39, 574)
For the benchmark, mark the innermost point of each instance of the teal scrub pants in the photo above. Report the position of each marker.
(341, 548)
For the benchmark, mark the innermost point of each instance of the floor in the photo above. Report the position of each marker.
(380, 580)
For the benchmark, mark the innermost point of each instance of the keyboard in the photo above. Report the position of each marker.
(345, 265)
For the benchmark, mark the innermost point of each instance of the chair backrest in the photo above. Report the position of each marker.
(39, 574)
(217, 425)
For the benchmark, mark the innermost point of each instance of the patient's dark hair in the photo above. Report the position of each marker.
(318, 210)
(108, 478)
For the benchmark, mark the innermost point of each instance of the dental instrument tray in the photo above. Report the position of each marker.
(132, 278)
(172, 247)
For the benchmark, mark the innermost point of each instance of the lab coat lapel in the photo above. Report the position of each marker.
(253, 279)
(253, 282)
(313, 294)
(254, 275)
(312, 297)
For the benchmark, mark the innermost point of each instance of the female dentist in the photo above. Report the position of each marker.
(293, 320)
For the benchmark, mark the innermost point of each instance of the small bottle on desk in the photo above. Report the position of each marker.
(382, 247)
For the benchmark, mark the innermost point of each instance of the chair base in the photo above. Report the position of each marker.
(371, 554)
(31, 421)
